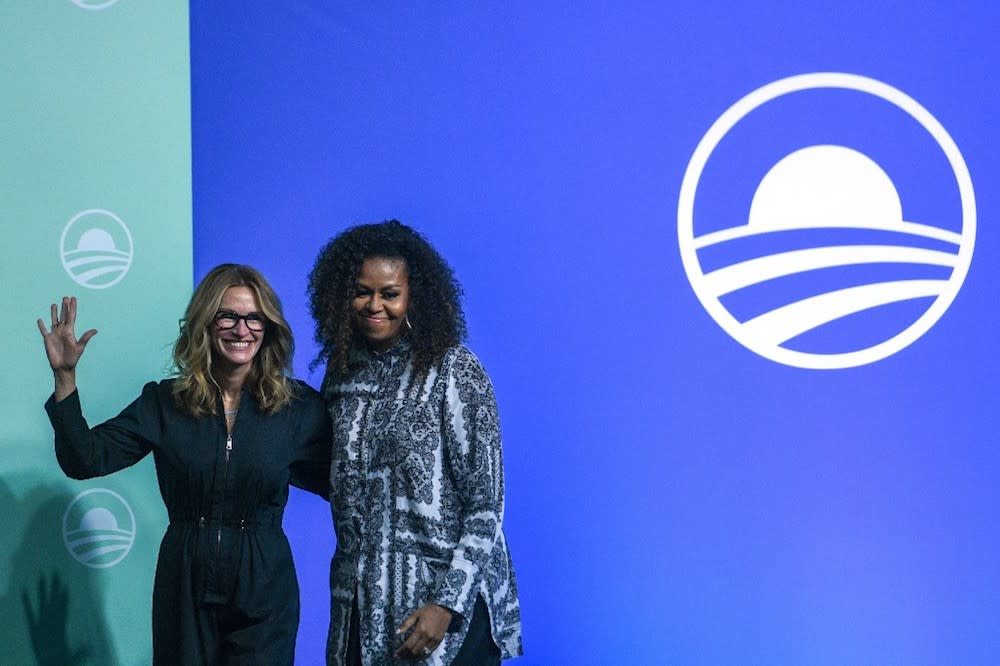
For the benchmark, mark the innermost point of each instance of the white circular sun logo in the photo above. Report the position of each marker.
(794, 238)
(98, 528)
(96, 248)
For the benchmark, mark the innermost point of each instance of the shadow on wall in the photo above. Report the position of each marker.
(51, 608)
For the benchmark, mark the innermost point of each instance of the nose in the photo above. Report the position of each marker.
(241, 327)
(374, 304)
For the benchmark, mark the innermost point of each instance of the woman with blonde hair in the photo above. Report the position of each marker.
(228, 434)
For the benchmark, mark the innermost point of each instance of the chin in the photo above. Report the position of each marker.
(381, 340)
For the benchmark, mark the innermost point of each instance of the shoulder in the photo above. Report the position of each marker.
(461, 366)
(302, 390)
(155, 401)
(308, 412)
(160, 391)
(304, 395)
(461, 357)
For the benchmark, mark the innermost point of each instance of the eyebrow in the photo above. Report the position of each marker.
(391, 285)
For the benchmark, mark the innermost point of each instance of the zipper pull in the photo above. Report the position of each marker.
(229, 445)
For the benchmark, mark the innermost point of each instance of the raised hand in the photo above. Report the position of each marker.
(48, 627)
(62, 347)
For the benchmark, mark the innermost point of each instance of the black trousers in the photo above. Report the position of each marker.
(218, 635)
(478, 648)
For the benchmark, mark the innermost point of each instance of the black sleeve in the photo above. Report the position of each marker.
(84, 452)
(314, 441)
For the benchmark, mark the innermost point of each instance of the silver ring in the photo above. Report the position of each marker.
(427, 650)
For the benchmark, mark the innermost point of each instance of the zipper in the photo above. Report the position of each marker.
(225, 483)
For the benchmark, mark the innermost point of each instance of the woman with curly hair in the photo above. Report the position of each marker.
(227, 434)
(421, 570)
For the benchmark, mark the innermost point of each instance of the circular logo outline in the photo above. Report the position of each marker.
(83, 4)
(128, 234)
(65, 531)
(798, 83)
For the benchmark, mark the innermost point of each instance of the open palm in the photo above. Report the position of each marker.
(62, 346)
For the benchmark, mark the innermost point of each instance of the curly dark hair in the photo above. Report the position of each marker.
(435, 307)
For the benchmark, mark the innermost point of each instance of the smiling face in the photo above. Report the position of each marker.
(234, 349)
(381, 298)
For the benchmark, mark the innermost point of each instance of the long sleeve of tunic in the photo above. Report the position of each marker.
(225, 495)
(417, 480)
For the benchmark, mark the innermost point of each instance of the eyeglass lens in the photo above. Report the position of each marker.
(254, 320)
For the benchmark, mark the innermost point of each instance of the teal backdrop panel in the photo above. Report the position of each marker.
(95, 201)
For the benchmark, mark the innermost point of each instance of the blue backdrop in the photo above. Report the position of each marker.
(672, 496)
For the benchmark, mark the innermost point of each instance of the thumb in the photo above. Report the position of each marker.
(85, 338)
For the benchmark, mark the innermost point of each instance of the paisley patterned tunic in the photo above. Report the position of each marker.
(417, 501)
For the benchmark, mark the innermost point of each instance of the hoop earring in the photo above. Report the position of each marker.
(406, 320)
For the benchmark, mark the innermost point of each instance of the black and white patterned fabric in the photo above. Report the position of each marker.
(417, 500)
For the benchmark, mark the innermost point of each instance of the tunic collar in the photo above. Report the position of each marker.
(362, 352)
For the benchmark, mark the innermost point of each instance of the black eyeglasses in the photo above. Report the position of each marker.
(226, 319)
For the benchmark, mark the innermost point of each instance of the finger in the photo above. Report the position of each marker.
(28, 610)
(409, 649)
(422, 649)
(416, 643)
(71, 311)
(60, 591)
(85, 338)
(408, 622)
(406, 649)
(64, 312)
(55, 315)
(42, 328)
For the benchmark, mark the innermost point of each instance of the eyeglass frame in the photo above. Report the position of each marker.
(236, 317)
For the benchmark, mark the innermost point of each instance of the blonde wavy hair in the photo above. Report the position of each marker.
(195, 388)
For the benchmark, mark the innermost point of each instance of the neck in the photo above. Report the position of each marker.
(384, 345)
(231, 385)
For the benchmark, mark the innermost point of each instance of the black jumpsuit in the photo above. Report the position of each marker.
(225, 590)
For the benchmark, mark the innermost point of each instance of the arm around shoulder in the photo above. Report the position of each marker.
(311, 471)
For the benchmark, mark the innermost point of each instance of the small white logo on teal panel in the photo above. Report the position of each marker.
(98, 528)
(96, 248)
(826, 221)
(94, 4)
